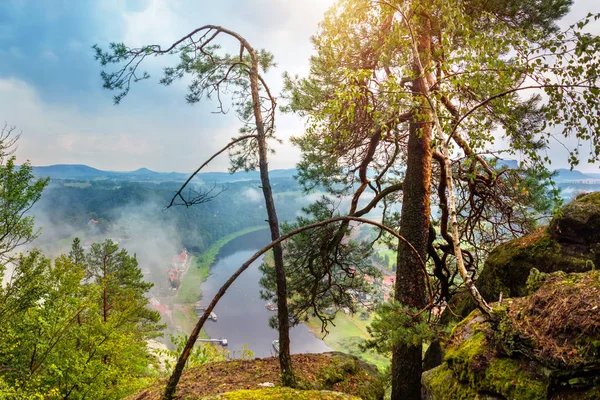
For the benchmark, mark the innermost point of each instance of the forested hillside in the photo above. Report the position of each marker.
(122, 208)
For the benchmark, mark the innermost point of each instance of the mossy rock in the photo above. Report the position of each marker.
(508, 266)
(475, 369)
(579, 221)
(542, 346)
(441, 383)
(570, 243)
(558, 325)
(282, 394)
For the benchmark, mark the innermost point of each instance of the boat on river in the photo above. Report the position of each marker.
(271, 306)
(222, 341)
(199, 310)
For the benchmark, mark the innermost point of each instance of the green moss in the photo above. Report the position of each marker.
(341, 375)
(510, 379)
(337, 371)
(509, 265)
(441, 383)
(592, 198)
(473, 361)
(535, 280)
(478, 369)
(467, 355)
(281, 394)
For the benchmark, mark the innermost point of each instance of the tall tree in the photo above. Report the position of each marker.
(122, 282)
(60, 340)
(19, 191)
(418, 92)
(213, 74)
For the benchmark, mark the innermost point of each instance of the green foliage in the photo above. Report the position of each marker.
(322, 271)
(493, 69)
(487, 66)
(396, 324)
(75, 329)
(19, 191)
(202, 353)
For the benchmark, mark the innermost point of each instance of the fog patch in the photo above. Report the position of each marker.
(252, 195)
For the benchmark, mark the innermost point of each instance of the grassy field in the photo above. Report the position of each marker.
(199, 268)
(77, 184)
(391, 257)
(349, 331)
(182, 320)
(186, 319)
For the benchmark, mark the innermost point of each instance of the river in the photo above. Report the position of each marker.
(242, 316)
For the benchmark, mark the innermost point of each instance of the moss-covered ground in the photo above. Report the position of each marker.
(330, 371)
(540, 346)
(282, 394)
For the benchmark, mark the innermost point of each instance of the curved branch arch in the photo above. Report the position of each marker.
(174, 378)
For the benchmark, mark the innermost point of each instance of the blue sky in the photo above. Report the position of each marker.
(51, 90)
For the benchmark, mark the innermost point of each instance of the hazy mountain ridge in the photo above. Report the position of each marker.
(84, 172)
(81, 171)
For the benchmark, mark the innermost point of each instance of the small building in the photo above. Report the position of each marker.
(389, 281)
(179, 261)
(173, 276)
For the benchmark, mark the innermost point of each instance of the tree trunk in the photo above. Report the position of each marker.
(414, 225)
(283, 324)
(285, 359)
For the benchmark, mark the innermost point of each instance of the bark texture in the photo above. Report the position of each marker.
(414, 225)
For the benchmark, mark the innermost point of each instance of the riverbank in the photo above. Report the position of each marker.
(346, 334)
(197, 272)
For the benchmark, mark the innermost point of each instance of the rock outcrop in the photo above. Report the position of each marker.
(542, 346)
(570, 243)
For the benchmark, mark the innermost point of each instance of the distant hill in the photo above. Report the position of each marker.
(68, 171)
(568, 175)
(84, 172)
(512, 164)
(562, 174)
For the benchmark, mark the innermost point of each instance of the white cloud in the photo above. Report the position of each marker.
(157, 23)
(110, 137)
(153, 127)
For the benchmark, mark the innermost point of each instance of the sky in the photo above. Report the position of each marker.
(50, 86)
